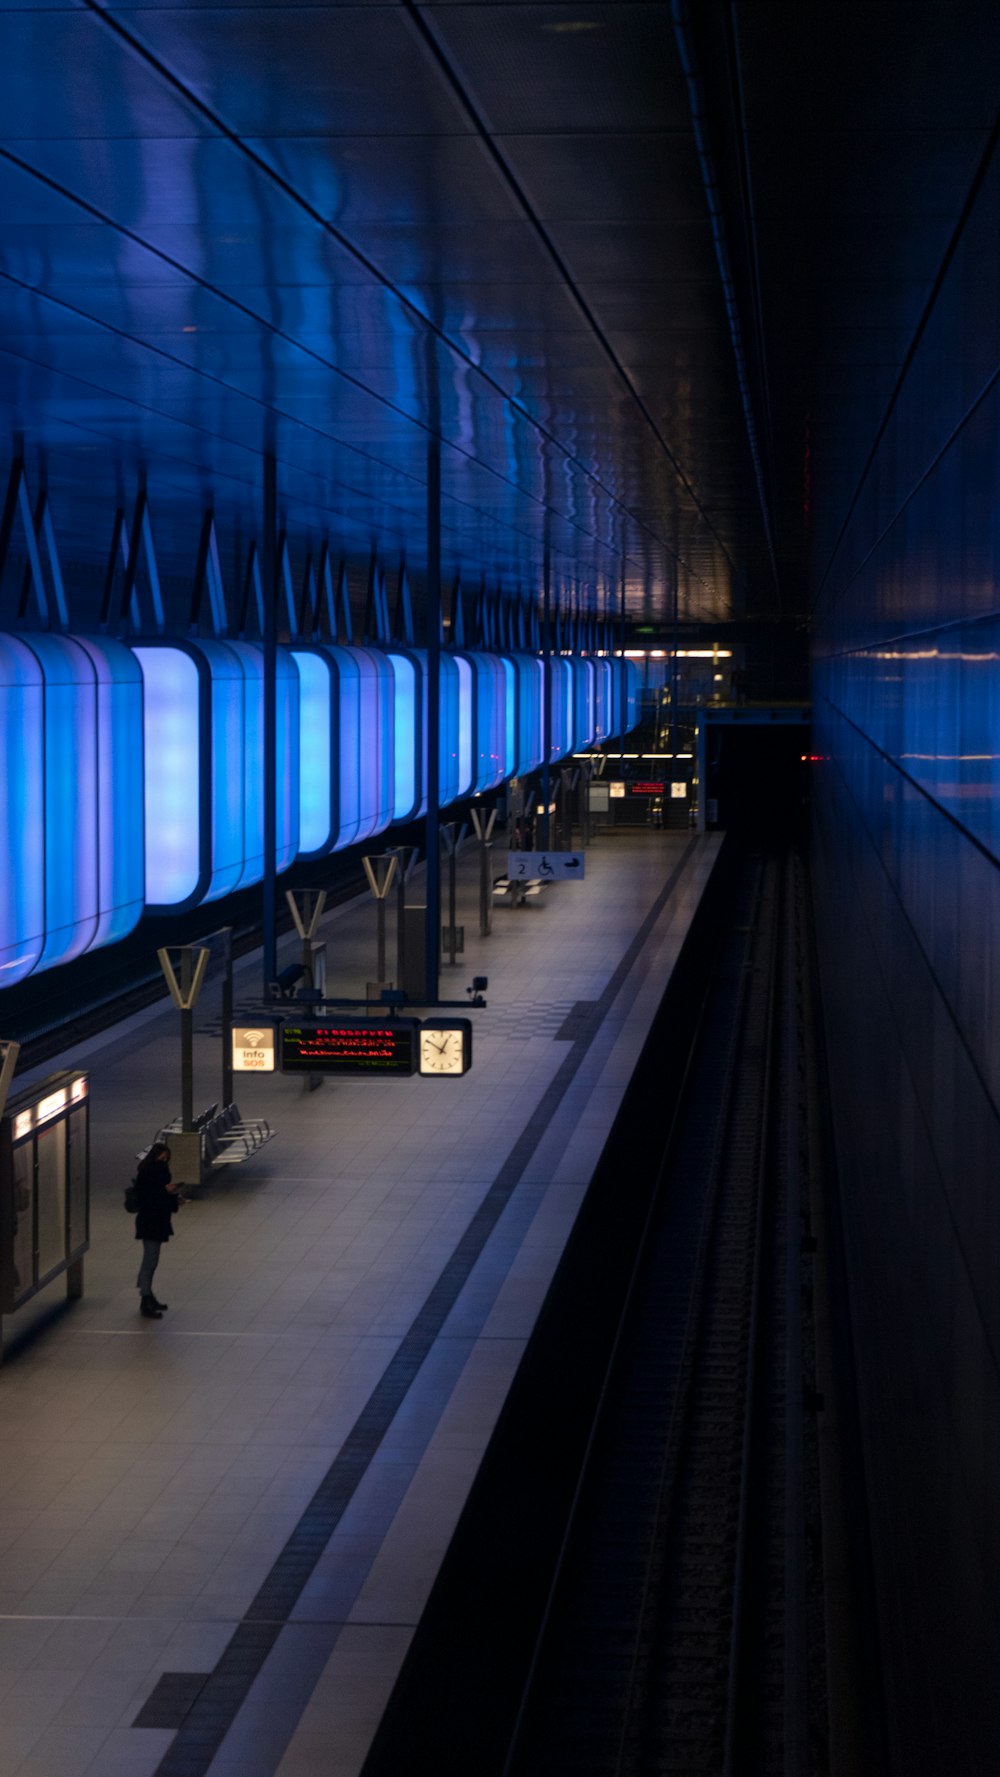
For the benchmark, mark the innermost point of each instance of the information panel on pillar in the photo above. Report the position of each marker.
(350, 1047)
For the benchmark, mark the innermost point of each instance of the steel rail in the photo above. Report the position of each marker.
(755, 1357)
(651, 1600)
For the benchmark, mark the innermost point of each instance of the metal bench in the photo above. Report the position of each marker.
(517, 892)
(226, 1137)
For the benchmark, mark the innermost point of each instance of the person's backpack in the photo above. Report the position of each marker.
(131, 1198)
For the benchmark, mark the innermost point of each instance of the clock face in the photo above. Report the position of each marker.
(442, 1050)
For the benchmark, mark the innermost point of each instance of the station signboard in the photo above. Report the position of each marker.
(546, 866)
(351, 1047)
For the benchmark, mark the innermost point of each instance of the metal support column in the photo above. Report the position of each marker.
(432, 847)
(621, 671)
(544, 839)
(483, 824)
(269, 562)
(187, 1042)
(702, 749)
(227, 1017)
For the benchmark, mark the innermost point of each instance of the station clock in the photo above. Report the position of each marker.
(445, 1046)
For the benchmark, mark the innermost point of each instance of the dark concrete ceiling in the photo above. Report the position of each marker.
(330, 229)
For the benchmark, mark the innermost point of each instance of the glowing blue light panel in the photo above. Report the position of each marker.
(625, 702)
(204, 781)
(408, 772)
(604, 698)
(347, 754)
(584, 703)
(250, 746)
(491, 676)
(530, 704)
(317, 771)
(455, 729)
(510, 717)
(120, 838)
(562, 707)
(176, 816)
(463, 674)
(376, 741)
(22, 811)
(70, 798)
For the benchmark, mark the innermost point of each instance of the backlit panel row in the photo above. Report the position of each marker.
(133, 774)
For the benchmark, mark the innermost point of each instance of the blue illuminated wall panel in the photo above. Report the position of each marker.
(408, 736)
(584, 703)
(455, 730)
(71, 801)
(493, 710)
(176, 724)
(465, 744)
(22, 811)
(510, 716)
(227, 769)
(454, 727)
(251, 662)
(530, 702)
(376, 741)
(120, 807)
(70, 797)
(347, 757)
(561, 680)
(603, 697)
(204, 768)
(625, 697)
(317, 764)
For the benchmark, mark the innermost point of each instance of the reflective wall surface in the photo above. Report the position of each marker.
(907, 712)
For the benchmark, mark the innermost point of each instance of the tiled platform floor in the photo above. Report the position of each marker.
(152, 1474)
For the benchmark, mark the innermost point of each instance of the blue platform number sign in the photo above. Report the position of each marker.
(545, 866)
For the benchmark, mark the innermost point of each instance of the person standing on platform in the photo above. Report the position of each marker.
(157, 1198)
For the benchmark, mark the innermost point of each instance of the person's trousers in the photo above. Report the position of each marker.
(150, 1260)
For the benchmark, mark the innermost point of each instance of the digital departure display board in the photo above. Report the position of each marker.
(350, 1047)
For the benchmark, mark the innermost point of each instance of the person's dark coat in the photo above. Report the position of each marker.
(156, 1203)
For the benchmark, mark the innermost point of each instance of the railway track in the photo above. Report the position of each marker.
(675, 1637)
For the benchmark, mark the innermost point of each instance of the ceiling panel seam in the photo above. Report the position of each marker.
(594, 538)
(329, 480)
(441, 56)
(137, 48)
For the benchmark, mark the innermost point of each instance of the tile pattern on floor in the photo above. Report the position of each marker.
(152, 1474)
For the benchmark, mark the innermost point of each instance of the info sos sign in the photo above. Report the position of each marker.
(253, 1048)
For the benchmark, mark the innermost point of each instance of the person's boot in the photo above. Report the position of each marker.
(162, 1306)
(148, 1308)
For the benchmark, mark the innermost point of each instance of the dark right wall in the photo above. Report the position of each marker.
(907, 872)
